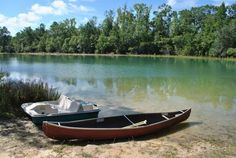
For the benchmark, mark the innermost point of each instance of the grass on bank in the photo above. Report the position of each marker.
(13, 93)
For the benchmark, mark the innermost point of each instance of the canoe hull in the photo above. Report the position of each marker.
(60, 132)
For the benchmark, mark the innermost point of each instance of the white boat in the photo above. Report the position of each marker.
(63, 109)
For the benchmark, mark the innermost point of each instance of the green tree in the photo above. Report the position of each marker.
(142, 23)
(51, 45)
(221, 15)
(114, 38)
(206, 30)
(161, 28)
(107, 24)
(232, 11)
(24, 41)
(125, 22)
(71, 45)
(88, 36)
(41, 36)
(104, 44)
(58, 33)
(5, 39)
(142, 33)
(226, 38)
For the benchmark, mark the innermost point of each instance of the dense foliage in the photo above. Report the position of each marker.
(201, 31)
(15, 93)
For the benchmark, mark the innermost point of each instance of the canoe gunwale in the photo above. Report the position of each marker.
(55, 124)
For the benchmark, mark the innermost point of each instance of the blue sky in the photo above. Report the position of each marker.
(17, 14)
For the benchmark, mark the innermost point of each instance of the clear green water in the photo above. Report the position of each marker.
(137, 83)
(134, 79)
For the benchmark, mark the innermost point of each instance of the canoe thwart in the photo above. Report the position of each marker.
(128, 119)
(165, 117)
(137, 124)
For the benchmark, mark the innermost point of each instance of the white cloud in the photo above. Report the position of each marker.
(171, 2)
(20, 21)
(59, 4)
(182, 4)
(72, 0)
(38, 9)
(32, 17)
(57, 7)
(37, 12)
(28, 17)
(83, 8)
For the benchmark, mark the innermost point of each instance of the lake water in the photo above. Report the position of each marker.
(142, 84)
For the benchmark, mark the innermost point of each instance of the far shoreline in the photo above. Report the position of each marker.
(122, 55)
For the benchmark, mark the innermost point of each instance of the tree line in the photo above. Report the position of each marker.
(200, 31)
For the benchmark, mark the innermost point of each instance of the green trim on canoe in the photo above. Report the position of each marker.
(66, 117)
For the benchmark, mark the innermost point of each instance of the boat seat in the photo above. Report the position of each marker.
(68, 105)
(87, 107)
(64, 102)
(45, 109)
(41, 108)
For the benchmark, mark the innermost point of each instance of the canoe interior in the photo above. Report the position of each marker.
(122, 121)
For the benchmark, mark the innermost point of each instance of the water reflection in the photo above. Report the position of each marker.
(153, 89)
(67, 81)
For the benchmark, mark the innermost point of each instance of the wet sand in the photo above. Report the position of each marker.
(192, 138)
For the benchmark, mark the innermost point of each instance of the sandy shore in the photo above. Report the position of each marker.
(21, 138)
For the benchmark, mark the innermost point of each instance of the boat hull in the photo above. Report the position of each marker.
(60, 117)
(64, 132)
(38, 120)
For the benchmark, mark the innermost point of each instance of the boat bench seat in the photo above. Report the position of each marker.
(144, 122)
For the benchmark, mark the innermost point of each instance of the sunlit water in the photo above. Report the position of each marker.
(140, 84)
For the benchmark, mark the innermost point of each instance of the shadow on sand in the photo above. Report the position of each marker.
(24, 130)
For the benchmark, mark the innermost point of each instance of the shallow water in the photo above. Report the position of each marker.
(142, 84)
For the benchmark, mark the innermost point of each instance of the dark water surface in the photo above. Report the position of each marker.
(142, 84)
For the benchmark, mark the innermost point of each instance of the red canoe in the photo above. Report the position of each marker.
(114, 127)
